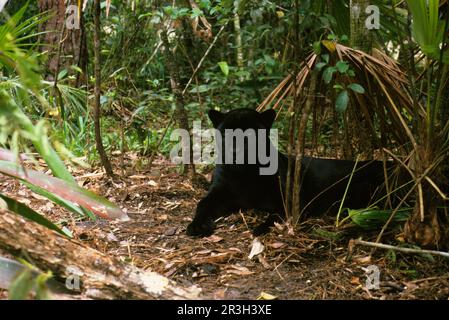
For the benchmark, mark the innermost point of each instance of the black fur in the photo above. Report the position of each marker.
(237, 187)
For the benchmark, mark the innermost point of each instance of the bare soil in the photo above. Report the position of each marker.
(303, 264)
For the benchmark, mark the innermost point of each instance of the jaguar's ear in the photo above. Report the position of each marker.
(216, 117)
(268, 118)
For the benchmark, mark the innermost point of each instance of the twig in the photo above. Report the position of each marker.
(430, 279)
(156, 150)
(203, 58)
(355, 242)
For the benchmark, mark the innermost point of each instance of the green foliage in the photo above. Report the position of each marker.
(428, 29)
(341, 104)
(30, 281)
(19, 132)
(339, 74)
(137, 100)
(371, 219)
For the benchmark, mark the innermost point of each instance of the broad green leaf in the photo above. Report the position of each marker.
(201, 89)
(196, 12)
(427, 28)
(320, 65)
(317, 47)
(22, 286)
(269, 60)
(357, 88)
(328, 74)
(342, 102)
(62, 74)
(338, 87)
(224, 67)
(65, 190)
(375, 218)
(59, 201)
(342, 67)
(37, 134)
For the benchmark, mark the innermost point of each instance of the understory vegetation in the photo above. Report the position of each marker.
(84, 84)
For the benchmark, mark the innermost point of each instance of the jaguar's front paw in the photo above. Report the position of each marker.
(201, 228)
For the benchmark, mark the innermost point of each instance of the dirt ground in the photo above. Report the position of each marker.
(309, 264)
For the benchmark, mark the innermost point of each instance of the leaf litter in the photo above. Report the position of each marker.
(231, 264)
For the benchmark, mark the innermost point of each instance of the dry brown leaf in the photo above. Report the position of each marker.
(170, 231)
(202, 252)
(264, 262)
(279, 226)
(363, 260)
(266, 296)
(137, 176)
(277, 245)
(152, 183)
(214, 258)
(214, 239)
(220, 294)
(355, 281)
(239, 270)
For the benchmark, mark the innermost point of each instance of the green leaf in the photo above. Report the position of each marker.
(342, 102)
(342, 66)
(320, 65)
(269, 60)
(62, 74)
(375, 218)
(328, 234)
(196, 12)
(427, 27)
(65, 190)
(22, 286)
(201, 89)
(338, 87)
(76, 68)
(328, 74)
(317, 47)
(224, 67)
(42, 289)
(357, 88)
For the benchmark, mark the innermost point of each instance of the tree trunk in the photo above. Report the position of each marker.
(238, 35)
(361, 37)
(65, 46)
(181, 113)
(100, 276)
(97, 108)
(423, 227)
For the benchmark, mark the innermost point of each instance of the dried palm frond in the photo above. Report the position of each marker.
(386, 97)
(383, 117)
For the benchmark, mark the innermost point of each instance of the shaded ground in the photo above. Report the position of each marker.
(303, 265)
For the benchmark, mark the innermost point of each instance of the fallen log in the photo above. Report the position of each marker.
(100, 276)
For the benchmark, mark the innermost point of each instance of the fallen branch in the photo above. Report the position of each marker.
(101, 276)
(355, 242)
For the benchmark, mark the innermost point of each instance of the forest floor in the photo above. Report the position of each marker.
(309, 264)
